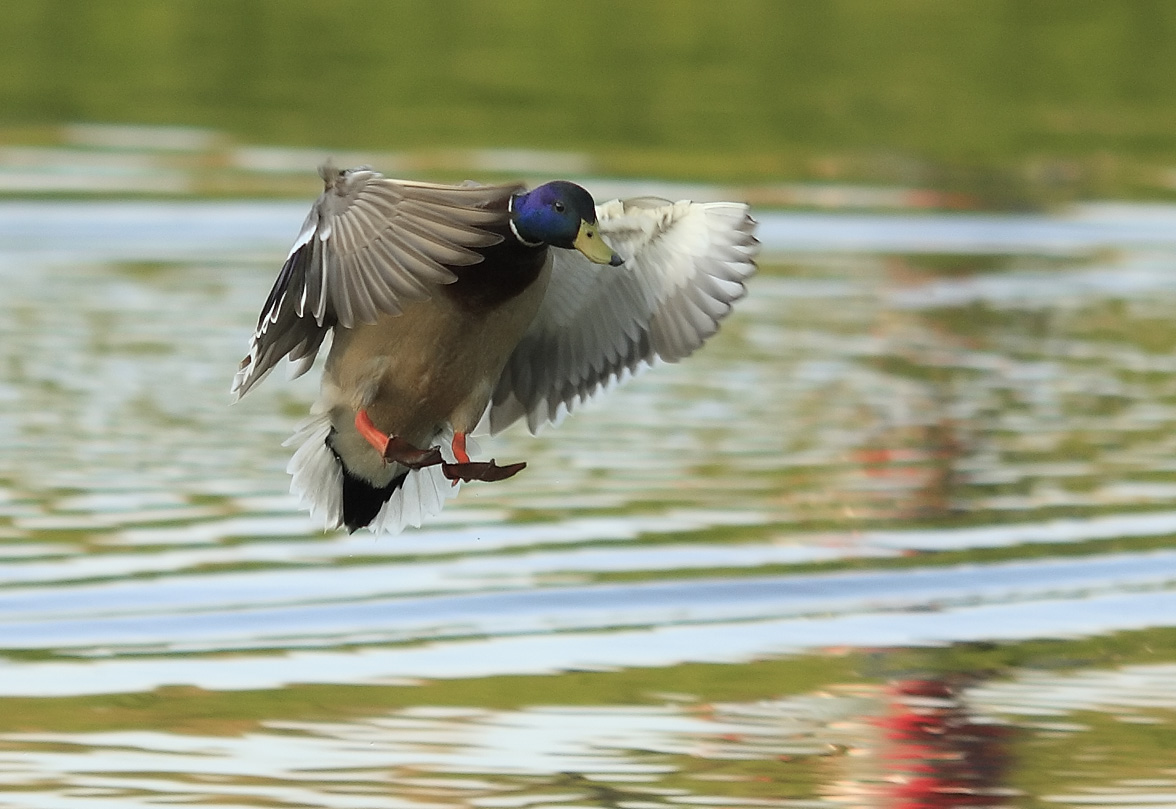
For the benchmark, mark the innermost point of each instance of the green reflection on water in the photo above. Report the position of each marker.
(184, 709)
(1011, 102)
(188, 709)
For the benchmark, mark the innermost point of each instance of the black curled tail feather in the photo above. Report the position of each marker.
(361, 500)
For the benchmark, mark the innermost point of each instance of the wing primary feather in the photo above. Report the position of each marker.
(364, 227)
(342, 296)
(362, 273)
(343, 238)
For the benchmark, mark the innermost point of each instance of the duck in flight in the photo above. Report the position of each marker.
(454, 307)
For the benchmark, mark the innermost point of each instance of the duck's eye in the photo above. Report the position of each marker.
(559, 206)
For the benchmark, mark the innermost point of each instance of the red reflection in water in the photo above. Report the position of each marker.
(936, 755)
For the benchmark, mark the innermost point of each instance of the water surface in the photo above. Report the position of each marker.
(903, 530)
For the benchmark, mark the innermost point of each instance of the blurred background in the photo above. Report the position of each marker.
(903, 533)
(1004, 104)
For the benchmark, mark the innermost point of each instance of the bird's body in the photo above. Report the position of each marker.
(450, 306)
(414, 395)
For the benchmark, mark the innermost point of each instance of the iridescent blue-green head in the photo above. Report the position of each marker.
(561, 214)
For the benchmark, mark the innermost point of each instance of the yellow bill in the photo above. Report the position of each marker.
(589, 242)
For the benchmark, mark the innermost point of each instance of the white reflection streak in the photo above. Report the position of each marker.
(424, 543)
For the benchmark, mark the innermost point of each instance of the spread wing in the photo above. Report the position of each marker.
(685, 264)
(369, 246)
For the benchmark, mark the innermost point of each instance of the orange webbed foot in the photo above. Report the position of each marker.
(393, 448)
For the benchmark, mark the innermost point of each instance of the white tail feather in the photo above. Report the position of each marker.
(316, 477)
(317, 482)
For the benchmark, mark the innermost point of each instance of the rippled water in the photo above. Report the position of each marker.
(903, 531)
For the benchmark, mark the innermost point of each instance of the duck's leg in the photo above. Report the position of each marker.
(395, 448)
(459, 448)
(468, 470)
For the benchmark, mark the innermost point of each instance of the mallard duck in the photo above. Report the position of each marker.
(452, 307)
